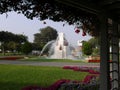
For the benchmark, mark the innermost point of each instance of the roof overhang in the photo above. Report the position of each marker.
(111, 8)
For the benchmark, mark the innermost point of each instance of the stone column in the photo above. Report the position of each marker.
(104, 55)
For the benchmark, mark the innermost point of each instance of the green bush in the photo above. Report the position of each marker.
(26, 48)
(87, 48)
(96, 51)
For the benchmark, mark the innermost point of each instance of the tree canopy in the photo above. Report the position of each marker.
(11, 41)
(87, 48)
(54, 10)
(26, 48)
(6, 36)
(95, 42)
(45, 35)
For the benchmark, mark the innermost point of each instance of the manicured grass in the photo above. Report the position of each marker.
(52, 60)
(13, 77)
(37, 58)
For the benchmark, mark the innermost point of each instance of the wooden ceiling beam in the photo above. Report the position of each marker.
(113, 6)
(108, 2)
(109, 7)
(79, 4)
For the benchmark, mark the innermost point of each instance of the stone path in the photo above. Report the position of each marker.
(37, 63)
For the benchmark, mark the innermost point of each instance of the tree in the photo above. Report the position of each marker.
(95, 42)
(46, 34)
(87, 48)
(54, 10)
(12, 46)
(19, 38)
(49, 33)
(11, 41)
(26, 48)
(36, 46)
(6, 36)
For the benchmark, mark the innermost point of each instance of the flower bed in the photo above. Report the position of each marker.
(54, 86)
(90, 81)
(11, 57)
(64, 84)
(94, 61)
(91, 70)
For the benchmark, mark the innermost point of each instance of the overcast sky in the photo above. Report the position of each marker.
(19, 24)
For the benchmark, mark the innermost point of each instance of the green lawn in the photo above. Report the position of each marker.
(51, 60)
(13, 77)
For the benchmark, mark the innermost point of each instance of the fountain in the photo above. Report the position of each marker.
(59, 48)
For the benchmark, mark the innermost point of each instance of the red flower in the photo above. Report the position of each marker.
(77, 30)
(84, 33)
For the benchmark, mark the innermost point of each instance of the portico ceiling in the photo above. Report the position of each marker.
(111, 8)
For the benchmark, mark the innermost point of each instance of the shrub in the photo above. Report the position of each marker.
(26, 48)
(87, 48)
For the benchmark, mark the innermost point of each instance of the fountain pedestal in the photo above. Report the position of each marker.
(61, 49)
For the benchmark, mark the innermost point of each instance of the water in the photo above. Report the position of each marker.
(58, 49)
(48, 47)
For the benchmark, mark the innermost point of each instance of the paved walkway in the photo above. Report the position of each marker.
(37, 63)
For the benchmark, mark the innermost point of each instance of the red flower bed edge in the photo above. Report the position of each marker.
(11, 58)
(94, 61)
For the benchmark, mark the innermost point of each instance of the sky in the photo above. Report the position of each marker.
(19, 24)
